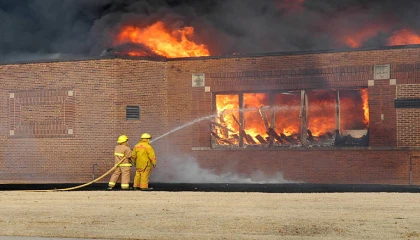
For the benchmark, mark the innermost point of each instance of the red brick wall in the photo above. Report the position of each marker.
(415, 169)
(345, 166)
(408, 119)
(177, 115)
(383, 127)
(101, 91)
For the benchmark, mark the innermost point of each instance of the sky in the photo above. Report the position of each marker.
(56, 29)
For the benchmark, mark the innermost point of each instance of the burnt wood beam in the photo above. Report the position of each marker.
(261, 139)
(222, 127)
(271, 132)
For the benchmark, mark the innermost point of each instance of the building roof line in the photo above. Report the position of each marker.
(163, 59)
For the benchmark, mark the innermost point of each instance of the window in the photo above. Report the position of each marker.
(227, 125)
(292, 118)
(407, 103)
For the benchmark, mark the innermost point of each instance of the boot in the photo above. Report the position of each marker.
(146, 189)
(109, 188)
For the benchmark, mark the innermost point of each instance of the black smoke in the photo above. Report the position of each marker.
(45, 29)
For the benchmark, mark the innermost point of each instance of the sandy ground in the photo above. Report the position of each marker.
(210, 215)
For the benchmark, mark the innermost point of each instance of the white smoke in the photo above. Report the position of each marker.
(186, 169)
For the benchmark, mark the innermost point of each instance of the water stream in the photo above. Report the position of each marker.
(183, 126)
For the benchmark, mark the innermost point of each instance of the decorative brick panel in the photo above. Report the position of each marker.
(42, 113)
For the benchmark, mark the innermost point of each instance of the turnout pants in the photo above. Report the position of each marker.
(124, 172)
(141, 179)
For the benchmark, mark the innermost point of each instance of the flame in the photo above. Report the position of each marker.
(322, 112)
(365, 98)
(404, 37)
(166, 43)
(356, 39)
(287, 112)
(227, 107)
(400, 37)
(254, 122)
(354, 109)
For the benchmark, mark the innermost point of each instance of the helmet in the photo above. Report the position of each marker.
(145, 135)
(122, 139)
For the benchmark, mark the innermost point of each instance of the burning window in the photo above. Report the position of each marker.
(321, 116)
(287, 109)
(256, 114)
(292, 118)
(227, 123)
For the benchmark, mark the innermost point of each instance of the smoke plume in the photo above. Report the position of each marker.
(50, 29)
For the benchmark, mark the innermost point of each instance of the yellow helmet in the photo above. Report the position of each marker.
(122, 139)
(145, 135)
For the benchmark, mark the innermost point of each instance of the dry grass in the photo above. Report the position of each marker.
(209, 215)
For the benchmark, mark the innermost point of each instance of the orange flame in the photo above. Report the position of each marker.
(365, 98)
(356, 39)
(254, 123)
(322, 111)
(354, 109)
(227, 107)
(287, 112)
(166, 43)
(404, 37)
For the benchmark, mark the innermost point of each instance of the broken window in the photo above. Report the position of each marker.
(321, 117)
(353, 118)
(256, 121)
(286, 125)
(292, 118)
(226, 127)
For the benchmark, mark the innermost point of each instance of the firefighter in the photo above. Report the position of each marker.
(121, 150)
(145, 159)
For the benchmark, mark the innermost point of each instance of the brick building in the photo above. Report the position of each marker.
(336, 117)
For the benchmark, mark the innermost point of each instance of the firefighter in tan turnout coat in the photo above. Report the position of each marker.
(145, 159)
(121, 150)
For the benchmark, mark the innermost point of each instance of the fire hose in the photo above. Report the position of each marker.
(83, 185)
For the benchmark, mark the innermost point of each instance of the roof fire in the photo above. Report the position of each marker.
(161, 41)
(188, 28)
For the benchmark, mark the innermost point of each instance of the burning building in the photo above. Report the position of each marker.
(336, 117)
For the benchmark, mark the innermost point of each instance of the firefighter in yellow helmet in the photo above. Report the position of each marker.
(145, 159)
(121, 150)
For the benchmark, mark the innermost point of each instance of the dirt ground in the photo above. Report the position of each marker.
(210, 215)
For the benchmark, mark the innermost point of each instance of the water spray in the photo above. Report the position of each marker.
(183, 126)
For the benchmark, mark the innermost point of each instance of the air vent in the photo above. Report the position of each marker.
(407, 103)
(132, 112)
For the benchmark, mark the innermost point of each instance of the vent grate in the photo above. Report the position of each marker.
(407, 103)
(132, 112)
